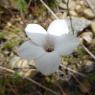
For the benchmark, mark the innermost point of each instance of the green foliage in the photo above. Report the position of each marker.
(91, 77)
(1, 35)
(22, 5)
(10, 44)
(52, 3)
(2, 90)
(2, 85)
(93, 93)
(16, 79)
(17, 30)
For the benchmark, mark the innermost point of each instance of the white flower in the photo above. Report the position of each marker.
(47, 47)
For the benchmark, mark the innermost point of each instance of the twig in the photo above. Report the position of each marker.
(23, 18)
(29, 79)
(77, 80)
(69, 69)
(6, 69)
(61, 89)
(40, 85)
(88, 51)
(70, 17)
(29, 4)
(12, 89)
(90, 3)
(47, 7)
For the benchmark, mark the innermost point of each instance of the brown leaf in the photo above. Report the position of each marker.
(78, 24)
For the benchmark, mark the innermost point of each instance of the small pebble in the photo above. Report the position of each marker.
(72, 5)
(73, 13)
(64, 15)
(79, 9)
(88, 13)
(87, 36)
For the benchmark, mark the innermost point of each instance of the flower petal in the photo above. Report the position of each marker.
(36, 33)
(58, 28)
(29, 50)
(48, 63)
(66, 44)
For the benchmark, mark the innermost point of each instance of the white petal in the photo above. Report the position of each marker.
(48, 63)
(66, 44)
(29, 50)
(36, 33)
(58, 28)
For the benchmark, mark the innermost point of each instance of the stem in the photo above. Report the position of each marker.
(29, 79)
(70, 17)
(47, 7)
(81, 84)
(69, 69)
(88, 51)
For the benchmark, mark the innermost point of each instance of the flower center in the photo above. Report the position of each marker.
(49, 47)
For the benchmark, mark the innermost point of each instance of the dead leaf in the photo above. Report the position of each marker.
(91, 3)
(78, 23)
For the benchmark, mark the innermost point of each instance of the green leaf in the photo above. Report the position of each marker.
(22, 5)
(1, 35)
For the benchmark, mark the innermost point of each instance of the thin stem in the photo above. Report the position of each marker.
(29, 3)
(81, 84)
(61, 89)
(6, 69)
(69, 69)
(88, 51)
(40, 85)
(47, 7)
(70, 17)
(29, 79)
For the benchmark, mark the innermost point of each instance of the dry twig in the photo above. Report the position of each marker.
(29, 79)
(81, 84)
(47, 7)
(88, 51)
